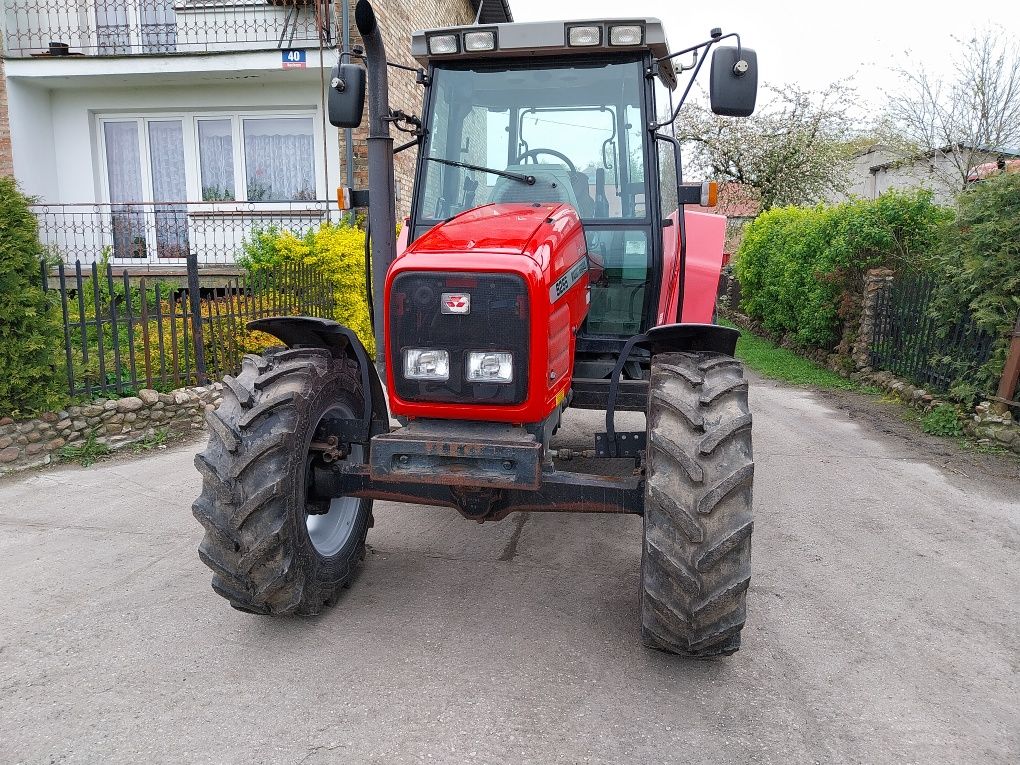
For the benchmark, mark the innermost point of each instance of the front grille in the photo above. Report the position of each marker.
(498, 321)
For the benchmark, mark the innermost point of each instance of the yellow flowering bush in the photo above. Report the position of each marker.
(335, 251)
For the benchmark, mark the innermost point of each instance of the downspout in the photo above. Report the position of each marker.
(345, 47)
(382, 213)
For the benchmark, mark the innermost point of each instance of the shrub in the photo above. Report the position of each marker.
(335, 251)
(801, 269)
(943, 420)
(30, 335)
(983, 265)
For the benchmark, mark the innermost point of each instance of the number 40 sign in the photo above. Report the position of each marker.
(294, 59)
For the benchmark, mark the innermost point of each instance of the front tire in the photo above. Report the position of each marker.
(272, 550)
(696, 559)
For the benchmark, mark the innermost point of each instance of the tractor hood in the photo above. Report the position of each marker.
(496, 229)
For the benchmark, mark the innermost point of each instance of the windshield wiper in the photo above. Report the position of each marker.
(528, 179)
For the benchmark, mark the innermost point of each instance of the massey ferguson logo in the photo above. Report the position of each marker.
(456, 302)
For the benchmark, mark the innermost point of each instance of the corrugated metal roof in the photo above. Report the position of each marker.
(492, 11)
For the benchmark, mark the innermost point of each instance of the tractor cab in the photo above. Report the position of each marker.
(569, 106)
(566, 112)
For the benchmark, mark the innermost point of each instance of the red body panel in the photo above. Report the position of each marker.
(706, 236)
(539, 242)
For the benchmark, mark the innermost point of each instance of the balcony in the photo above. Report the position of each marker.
(159, 236)
(72, 28)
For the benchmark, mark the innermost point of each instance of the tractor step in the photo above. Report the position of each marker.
(628, 444)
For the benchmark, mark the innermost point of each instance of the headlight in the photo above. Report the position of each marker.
(426, 364)
(490, 366)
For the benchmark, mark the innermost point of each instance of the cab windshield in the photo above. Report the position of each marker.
(578, 129)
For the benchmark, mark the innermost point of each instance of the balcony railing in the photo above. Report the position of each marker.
(163, 234)
(67, 28)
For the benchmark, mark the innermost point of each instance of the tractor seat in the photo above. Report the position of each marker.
(552, 184)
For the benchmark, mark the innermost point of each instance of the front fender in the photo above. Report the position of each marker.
(341, 342)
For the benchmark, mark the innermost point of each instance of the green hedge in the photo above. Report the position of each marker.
(30, 334)
(801, 269)
(981, 262)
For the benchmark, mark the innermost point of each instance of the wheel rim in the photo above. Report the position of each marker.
(330, 531)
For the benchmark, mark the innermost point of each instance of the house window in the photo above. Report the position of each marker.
(157, 168)
(214, 158)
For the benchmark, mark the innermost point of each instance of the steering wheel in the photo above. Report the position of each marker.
(532, 153)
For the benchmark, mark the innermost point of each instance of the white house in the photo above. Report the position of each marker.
(878, 169)
(151, 128)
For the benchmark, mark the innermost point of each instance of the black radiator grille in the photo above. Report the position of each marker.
(498, 321)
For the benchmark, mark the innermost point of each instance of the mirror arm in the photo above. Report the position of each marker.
(707, 45)
(408, 145)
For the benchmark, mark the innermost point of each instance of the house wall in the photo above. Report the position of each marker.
(923, 173)
(31, 125)
(861, 181)
(869, 178)
(56, 139)
(398, 19)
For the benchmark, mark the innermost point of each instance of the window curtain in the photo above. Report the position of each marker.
(166, 158)
(159, 26)
(216, 158)
(112, 29)
(124, 175)
(280, 165)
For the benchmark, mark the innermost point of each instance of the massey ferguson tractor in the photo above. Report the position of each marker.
(553, 258)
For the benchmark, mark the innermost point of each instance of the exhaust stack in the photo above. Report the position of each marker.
(382, 212)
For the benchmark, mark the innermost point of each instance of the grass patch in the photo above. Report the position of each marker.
(943, 420)
(770, 360)
(85, 453)
(156, 441)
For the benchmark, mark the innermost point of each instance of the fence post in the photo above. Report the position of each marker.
(196, 318)
(1011, 372)
(875, 281)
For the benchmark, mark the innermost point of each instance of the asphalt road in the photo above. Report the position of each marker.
(884, 622)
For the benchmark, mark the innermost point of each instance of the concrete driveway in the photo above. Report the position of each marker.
(884, 622)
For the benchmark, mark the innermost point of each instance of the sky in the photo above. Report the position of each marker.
(811, 43)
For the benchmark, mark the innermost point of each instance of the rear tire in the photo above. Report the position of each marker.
(696, 559)
(267, 553)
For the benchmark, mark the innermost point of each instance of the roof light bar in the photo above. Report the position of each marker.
(585, 36)
(474, 41)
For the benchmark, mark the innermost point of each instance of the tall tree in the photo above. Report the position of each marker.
(795, 149)
(961, 120)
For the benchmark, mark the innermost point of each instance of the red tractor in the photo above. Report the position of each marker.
(544, 265)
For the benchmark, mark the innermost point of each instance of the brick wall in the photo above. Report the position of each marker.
(6, 158)
(398, 19)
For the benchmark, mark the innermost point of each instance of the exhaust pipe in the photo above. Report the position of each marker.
(382, 211)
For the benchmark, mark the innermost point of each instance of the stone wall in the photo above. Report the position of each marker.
(115, 422)
(986, 422)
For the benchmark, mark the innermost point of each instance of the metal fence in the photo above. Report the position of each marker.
(166, 233)
(68, 28)
(123, 334)
(908, 341)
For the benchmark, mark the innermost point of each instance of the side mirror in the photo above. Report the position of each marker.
(346, 102)
(733, 84)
